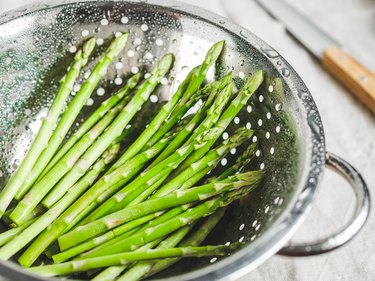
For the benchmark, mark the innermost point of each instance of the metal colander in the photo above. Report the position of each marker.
(36, 46)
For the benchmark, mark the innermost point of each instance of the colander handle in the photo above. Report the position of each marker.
(355, 224)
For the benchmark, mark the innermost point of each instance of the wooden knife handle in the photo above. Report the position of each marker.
(353, 75)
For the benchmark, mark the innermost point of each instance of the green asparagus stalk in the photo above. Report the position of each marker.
(74, 108)
(126, 258)
(118, 177)
(111, 273)
(113, 131)
(141, 268)
(141, 237)
(122, 232)
(87, 201)
(8, 235)
(197, 78)
(148, 178)
(124, 229)
(93, 119)
(37, 193)
(209, 160)
(241, 163)
(248, 89)
(45, 132)
(194, 240)
(176, 198)
(47, 218)
(213, 113)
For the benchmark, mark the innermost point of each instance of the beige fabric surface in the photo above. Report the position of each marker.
(349, 129)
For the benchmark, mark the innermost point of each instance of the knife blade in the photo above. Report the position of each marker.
(354, 76)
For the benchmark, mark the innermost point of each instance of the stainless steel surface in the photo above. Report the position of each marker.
(310, 35)
(350, 230)
(282, 203)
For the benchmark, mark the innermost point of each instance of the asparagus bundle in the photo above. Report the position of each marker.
(155, 204)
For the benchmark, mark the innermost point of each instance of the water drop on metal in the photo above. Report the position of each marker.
(271, 53)
(285, 72)
(242, 34)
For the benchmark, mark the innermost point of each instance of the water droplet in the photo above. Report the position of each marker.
(242, 33)
(278, 62)
(236, 120)
(174, 41)
(269, 52)
(285, 72)
(118, 34)
(278, 129)
(315, 128)
(270, 89)
(278, 107)
(72, 49)
(225, 135)
(154, 98)
(164, 81)
(100, 92)
(149, 56)
(242, 62)
(118, 81)
(99, 41)
(268, 115)
(131, 53)
(119, 65)
(241, 75)
(224, 161)
(222, 21)
(90, 102)
(159, 42)
(124, 20)
(104, 22)
(195, 54)
(147, 75)
(137, 41)
(135, 69)
(85, 33)
(144, 27)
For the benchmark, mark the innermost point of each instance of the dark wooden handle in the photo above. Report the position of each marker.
(353, 75)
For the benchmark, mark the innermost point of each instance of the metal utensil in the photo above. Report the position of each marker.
(35, 50)
(354, 76)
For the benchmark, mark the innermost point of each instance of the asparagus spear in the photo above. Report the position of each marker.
(126, 258)
(141, 237)
(75, 106)
(148, 178)
(111, 273)
(140, 269)
(119, 233)
(86, 201)
(47, 218)
(197, 78)
(248, 89)
(194, 240)
(113, 131)
(209, 160)
(45, 132)
(8, 235)
(124, 229)
(176, 198)
(93, 119)
(213, 113)
(36, 194)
